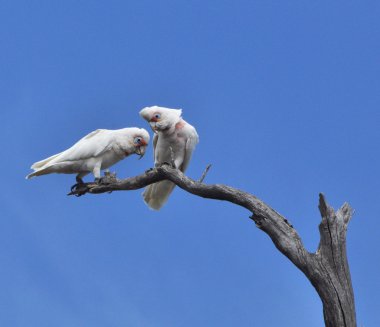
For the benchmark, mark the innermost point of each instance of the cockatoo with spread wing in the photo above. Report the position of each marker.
(174, 142)
(96, 151)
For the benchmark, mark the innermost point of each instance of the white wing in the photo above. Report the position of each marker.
(155, 139)
(90, 146)
(191, 142)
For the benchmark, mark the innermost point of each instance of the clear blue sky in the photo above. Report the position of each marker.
(285, 97)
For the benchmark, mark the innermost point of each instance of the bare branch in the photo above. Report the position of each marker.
(204, 173)
(327, 269)
(282, 233)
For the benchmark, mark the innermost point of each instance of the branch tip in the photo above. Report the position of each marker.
(323, 206)
(204, 173)
(346, 212)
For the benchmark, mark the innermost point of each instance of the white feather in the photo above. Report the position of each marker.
(98, 150)
(175, 139)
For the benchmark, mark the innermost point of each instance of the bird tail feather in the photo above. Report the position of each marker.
(39, 164)
(156, 195)
(39, 172)
(42, 167)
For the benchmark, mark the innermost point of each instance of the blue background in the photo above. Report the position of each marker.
(285, 97)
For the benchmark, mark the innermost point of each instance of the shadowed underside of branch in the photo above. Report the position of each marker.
(327, 269)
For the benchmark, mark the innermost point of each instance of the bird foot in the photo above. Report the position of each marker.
(78, 189)
(81, 188)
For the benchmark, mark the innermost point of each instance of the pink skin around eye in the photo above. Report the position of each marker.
(154, 118)
(142, 142)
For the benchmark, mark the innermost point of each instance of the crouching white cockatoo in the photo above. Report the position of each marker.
(96, 151)
(174, 141)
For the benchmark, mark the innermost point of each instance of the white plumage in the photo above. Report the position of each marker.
(174, 139)
(96, 151)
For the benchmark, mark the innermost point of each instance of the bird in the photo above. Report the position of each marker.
(97, 150)
(174, 142)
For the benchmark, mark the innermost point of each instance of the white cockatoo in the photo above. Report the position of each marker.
(174, 142)
(96, 151)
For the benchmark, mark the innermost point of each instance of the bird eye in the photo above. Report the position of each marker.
(157, 116)
(137, 140)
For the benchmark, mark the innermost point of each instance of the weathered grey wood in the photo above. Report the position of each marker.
(327, 269)
(331, 275)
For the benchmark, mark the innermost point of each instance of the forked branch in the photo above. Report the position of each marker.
(327, 269)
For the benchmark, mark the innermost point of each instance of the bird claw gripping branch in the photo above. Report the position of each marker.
(80, 189)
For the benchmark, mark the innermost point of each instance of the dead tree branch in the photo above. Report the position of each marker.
(327, 269)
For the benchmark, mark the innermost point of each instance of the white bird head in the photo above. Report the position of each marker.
(139, 140)
(161, 119)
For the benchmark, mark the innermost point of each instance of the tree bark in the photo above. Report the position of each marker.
(327, 269)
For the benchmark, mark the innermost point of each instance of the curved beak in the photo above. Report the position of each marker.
(140, 150)
(153, 126)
